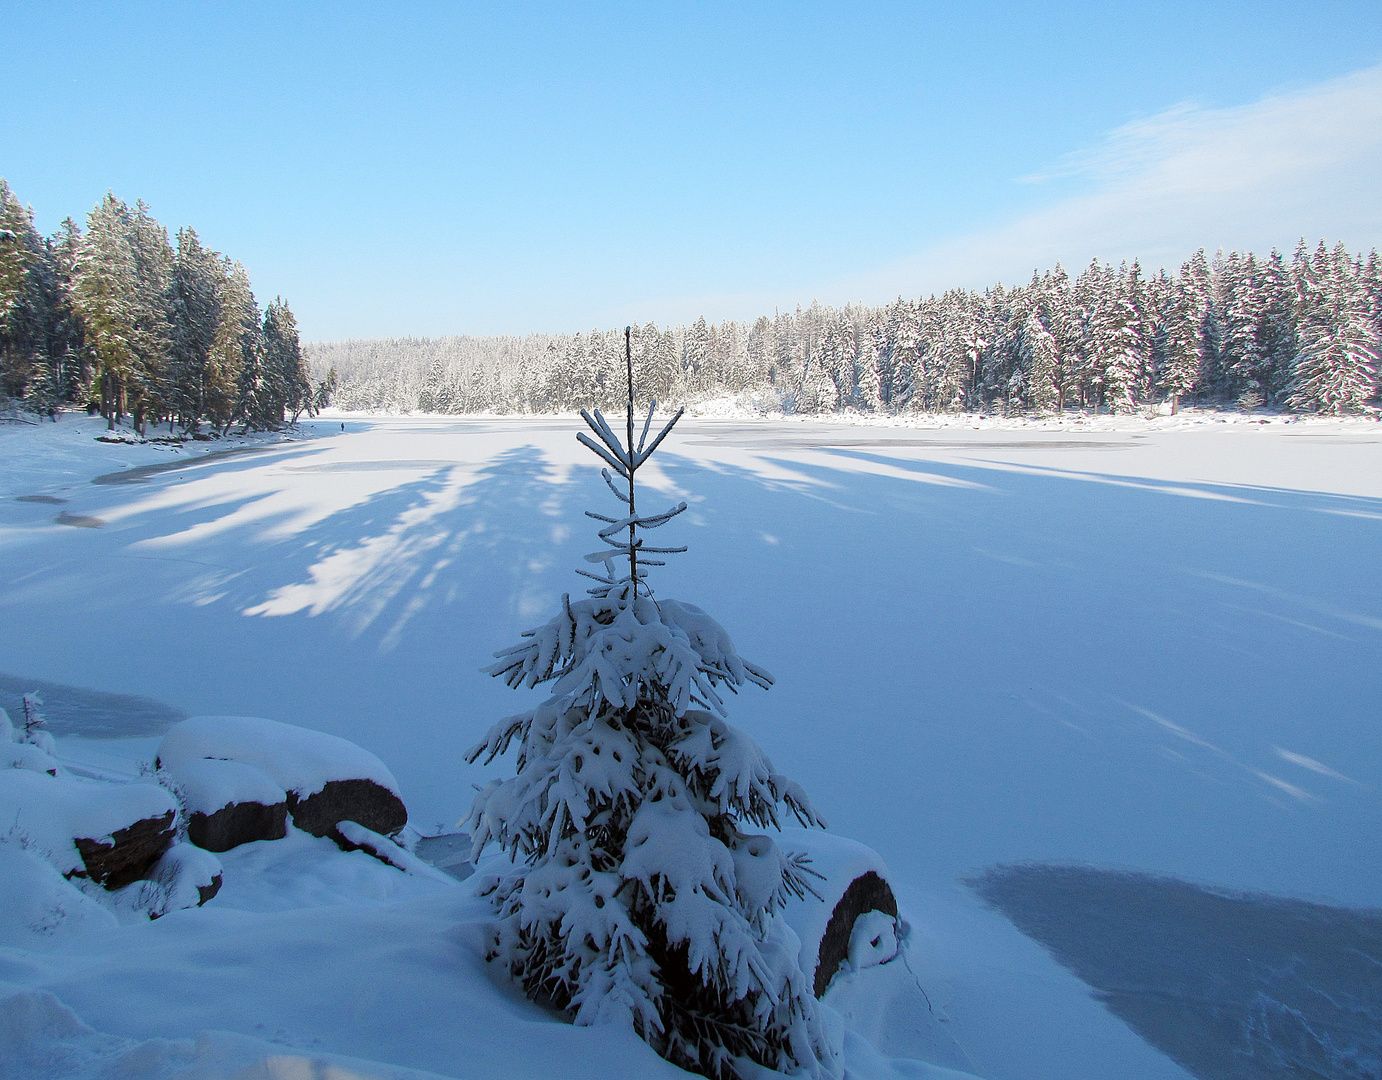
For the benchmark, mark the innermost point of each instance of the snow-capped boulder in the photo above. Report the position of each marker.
(186, 877)
(228, 803)
(326, 779)
(126, 854)
(855, 919)
(111, 833)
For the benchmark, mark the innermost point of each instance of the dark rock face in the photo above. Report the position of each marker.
(236, 824)
(129, 854)
(362, 801)
(868, 892)
(206, 892)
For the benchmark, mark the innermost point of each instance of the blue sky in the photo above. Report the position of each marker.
(442, 168)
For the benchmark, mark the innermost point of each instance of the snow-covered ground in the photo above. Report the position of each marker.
(1145, 647)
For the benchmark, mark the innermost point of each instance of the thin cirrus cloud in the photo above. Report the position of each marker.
(1302, 164)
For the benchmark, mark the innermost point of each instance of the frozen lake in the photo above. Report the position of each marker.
(1145, 649)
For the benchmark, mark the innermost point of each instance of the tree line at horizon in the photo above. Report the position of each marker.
(123, 320)
(1237, 331)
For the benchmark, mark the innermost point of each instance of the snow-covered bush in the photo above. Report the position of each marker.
(638, 896)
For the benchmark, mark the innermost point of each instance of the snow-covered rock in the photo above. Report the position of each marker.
(359, 838)
(872, 939)
(228, 803)
(853, 883)
(112, 833)
(326, 779)
(187, 877)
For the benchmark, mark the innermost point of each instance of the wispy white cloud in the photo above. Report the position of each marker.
(1256, 176)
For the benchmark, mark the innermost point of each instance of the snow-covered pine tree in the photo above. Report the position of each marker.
(1039, 364)
(21, 297)
(1335, 368)
(870, 377)
(195, 309)
(636, 894)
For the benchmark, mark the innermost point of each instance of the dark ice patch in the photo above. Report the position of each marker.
(47, 500)
(1232, 986)
(140, 474)
(80, 521)
(449, 853)
(91, 714)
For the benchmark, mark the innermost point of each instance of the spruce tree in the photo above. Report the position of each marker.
(283, 357)
(233, 366)
(68, 361)
(104, 290)
(1039, 364)
(1276, 328)
(1335, 368)
(23, 314)
(637, 896)
(150, 388)
(1183, 314)
(196, 310)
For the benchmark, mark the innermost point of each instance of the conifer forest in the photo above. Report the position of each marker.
(121, 319)
(1236, 331)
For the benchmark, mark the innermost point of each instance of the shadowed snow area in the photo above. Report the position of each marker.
(1233, 986)
(1142, 646)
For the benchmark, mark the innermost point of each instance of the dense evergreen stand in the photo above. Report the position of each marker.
(636, 896)
(1237, 331)
(120, 316)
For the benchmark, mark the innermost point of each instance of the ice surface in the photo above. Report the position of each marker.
(1230, 985)
(448, 852)
(73, 710)
(1138, 646)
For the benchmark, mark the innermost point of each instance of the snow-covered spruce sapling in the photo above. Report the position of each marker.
(637, 896)
(35, 724)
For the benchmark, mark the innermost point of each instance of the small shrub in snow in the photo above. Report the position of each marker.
(639, 897)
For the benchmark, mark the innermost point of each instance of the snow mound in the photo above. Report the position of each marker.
(43, 1039)
(296, 759)
(27, 756)
(38, 905)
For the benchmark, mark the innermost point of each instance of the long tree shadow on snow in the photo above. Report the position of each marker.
(421, 547)
(1232, 986)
